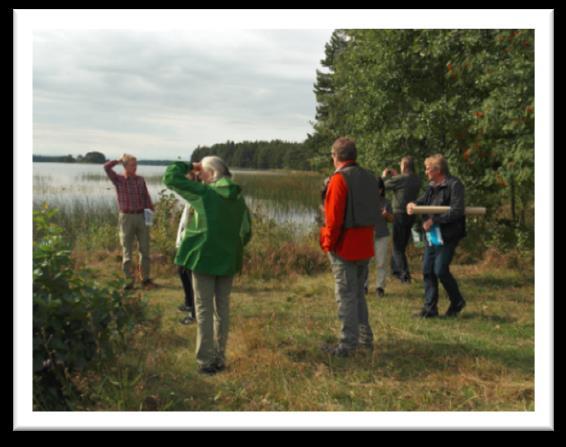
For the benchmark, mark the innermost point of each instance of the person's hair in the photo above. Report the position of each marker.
(408, 164)
(345, 149)
(438, 161)
(217, 166)
(126, 158)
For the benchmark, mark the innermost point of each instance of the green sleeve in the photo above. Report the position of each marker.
(175, 179)
(246, 229)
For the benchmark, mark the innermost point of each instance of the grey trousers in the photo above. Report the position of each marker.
(349, 279)
(213, 317)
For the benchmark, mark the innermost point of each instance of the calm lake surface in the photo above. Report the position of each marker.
(287, 198)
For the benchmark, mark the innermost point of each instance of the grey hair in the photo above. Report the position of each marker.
(438, 161)
(217, 166)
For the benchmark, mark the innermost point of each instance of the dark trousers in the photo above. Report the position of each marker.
(436, 267)
(186, 279)
(402, 224)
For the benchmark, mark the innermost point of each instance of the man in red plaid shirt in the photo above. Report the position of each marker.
(133, 198)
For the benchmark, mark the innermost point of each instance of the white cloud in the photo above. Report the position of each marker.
(165, 92)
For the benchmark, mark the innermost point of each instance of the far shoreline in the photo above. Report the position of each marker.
(235, 169)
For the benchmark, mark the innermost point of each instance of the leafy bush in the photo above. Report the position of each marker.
(75, 320)
(89, 225)
(166, 221)
(277, 251)
(98, 237)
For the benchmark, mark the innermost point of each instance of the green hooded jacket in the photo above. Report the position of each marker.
(214, 240)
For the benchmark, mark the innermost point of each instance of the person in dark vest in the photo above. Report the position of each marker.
(347, 236)
(443, 190)
(405, 188)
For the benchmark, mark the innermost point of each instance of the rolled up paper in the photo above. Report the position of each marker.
(469, 210)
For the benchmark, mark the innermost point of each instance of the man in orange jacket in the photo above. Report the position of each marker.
(351, 211)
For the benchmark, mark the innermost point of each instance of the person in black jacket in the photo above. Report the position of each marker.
(405, 188)
(443, 190)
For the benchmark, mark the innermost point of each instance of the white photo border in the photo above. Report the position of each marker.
(26, 22)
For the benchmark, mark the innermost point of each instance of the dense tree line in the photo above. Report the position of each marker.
(468, 94)
(276, 154)
(89, 157)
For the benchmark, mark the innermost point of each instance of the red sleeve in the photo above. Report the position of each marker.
(148, 197)
(110, 172)
(334, 211)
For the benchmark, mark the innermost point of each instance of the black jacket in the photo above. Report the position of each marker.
(449, 193)
(405, 189)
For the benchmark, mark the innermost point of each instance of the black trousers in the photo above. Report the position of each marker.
(402, 224)
(187, 280)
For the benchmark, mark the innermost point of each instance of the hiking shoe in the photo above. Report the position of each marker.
(188, 320)
(455, 310)
(220, 366)
(209, 370)
(184, 308)
(336, 350)
(380, 292)
(426, 314)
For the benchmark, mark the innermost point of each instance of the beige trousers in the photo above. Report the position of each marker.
(212, 307)
(132, 226)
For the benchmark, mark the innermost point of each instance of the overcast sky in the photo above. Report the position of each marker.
(161, 94)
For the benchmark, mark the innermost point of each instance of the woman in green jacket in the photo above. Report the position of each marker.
(212, 248)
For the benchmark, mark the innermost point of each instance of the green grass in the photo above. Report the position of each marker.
(291, 190)
(283, 308)
(483, 360)
(285, 188)
(291, 198)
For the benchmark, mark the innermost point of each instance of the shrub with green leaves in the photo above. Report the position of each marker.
(168, 211)
(277, 251)
(76, 321)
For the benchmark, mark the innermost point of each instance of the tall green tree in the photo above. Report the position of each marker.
(468, 94)
(328, 112)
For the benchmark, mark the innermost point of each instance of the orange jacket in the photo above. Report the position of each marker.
(352, 244)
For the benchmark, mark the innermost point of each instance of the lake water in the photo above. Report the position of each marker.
(63, 185)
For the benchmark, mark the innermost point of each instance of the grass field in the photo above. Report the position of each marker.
(482, 360)
(283, 308)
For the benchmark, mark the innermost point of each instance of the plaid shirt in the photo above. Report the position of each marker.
(133, 196)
